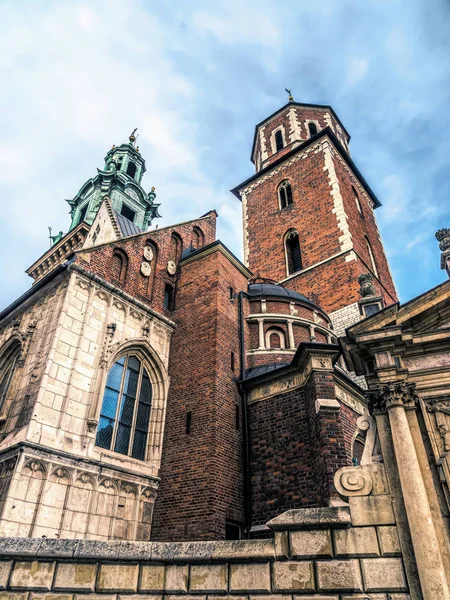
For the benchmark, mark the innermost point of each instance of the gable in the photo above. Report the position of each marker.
(105, 228)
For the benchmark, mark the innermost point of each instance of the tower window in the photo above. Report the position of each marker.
(275, 339)
(285, 194)
(198, 239)
(279, 144)
(293, 254)
(7, 368)
(169, 296)
(177, 247)
(312, 128)
(358, 203)
(131, 169)
(83, 213)
(126, 212)
(371, 256)
(125, 413)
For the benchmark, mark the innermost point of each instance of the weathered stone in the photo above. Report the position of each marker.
(244, 549)
(97, 549)
(76, 577)
(293, 576)
(371, 510)
(176, 579)
(152, 578)
(13, 596)
(208, 578)
(94, 597)
(59, 548)
(310, 544)
(50, 596)
(5, 570)
(366, 597)
(356, 542)
(282, 544)
(389, 542)
(339, 575)
(21, 546)
(32, 575)
(135, 550)
(141, 597)
(383, 575)
(118, 578)
(312, 518)
(315, 597)
(250, 578)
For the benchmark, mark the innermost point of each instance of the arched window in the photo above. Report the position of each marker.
(177, 247)
(119, 265)
(131, 169)
(293, 254)
(198, 239)
(125, 414)
(371, 256)
(312, 128)
(8, 364)
(358, 203)
(275, 339)
(358, 447)
(83, 212)
(285, 194)
(279, 143)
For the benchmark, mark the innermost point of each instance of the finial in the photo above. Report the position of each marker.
(132, 137)
(137, 148)
(291, 98)
(113, 146)
(153, 188)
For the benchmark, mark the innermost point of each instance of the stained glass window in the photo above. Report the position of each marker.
(125, 413)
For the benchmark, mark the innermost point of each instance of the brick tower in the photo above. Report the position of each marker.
(308, 215)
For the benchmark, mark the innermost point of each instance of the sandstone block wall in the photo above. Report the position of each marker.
(334, 561)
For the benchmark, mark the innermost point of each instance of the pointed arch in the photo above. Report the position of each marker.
(119, 265)
(198, 238)
(133, 402)
(292, 252)
(284, 194)
(9, 358)
(177, 247)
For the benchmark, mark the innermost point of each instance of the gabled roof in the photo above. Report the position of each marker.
(127, 227)
(337, 144)
(301, 104)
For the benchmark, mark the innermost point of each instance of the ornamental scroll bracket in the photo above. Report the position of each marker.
(441, 410)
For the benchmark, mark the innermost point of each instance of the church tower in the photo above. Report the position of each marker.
(308, 215)
(120, 180)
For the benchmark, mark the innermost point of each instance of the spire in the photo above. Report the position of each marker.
(133, 137)
(291, 98)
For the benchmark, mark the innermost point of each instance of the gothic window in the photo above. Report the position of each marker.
(131, 169)
(358, 203)
(125, 413)
(371, 256)
(275, 339)
(126, 212)
(119, 266)
(312, 128)
(8, 365)
(293, 253)
(278, 140)
(285, 194)
(198, 239)
(177, 247)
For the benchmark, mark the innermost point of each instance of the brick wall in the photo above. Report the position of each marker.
(201, 476)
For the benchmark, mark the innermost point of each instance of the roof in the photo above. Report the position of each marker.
(322, 133)
(276, 290)
(301, 104)
(262, 370)
(127, 227)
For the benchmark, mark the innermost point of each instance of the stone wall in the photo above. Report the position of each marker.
(316, 555)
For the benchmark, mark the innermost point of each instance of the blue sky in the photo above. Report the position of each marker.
(195, 76)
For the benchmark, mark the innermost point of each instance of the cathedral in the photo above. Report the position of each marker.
(155, 387)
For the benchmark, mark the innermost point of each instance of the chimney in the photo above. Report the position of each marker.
(443, 237)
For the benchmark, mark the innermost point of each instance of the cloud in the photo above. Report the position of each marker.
(195, 77)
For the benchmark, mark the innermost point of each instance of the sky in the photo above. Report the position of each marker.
(195, 76)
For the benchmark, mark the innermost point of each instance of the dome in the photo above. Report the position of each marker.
(274, 290)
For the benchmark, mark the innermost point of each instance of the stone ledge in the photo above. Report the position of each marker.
(312, 518)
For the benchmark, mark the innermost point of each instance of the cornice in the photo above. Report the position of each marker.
(217, 246)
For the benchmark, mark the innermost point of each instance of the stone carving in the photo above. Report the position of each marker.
(443, 237)
(367, 287)
(372, 451)
(106, 352)
(148, 253)
(353, 481)
(441, 410)
(171, 267)
(396, 393)
(146, 269)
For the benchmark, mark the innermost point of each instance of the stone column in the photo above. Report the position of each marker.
(262, 344)
(291, 335)
(396, 398)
